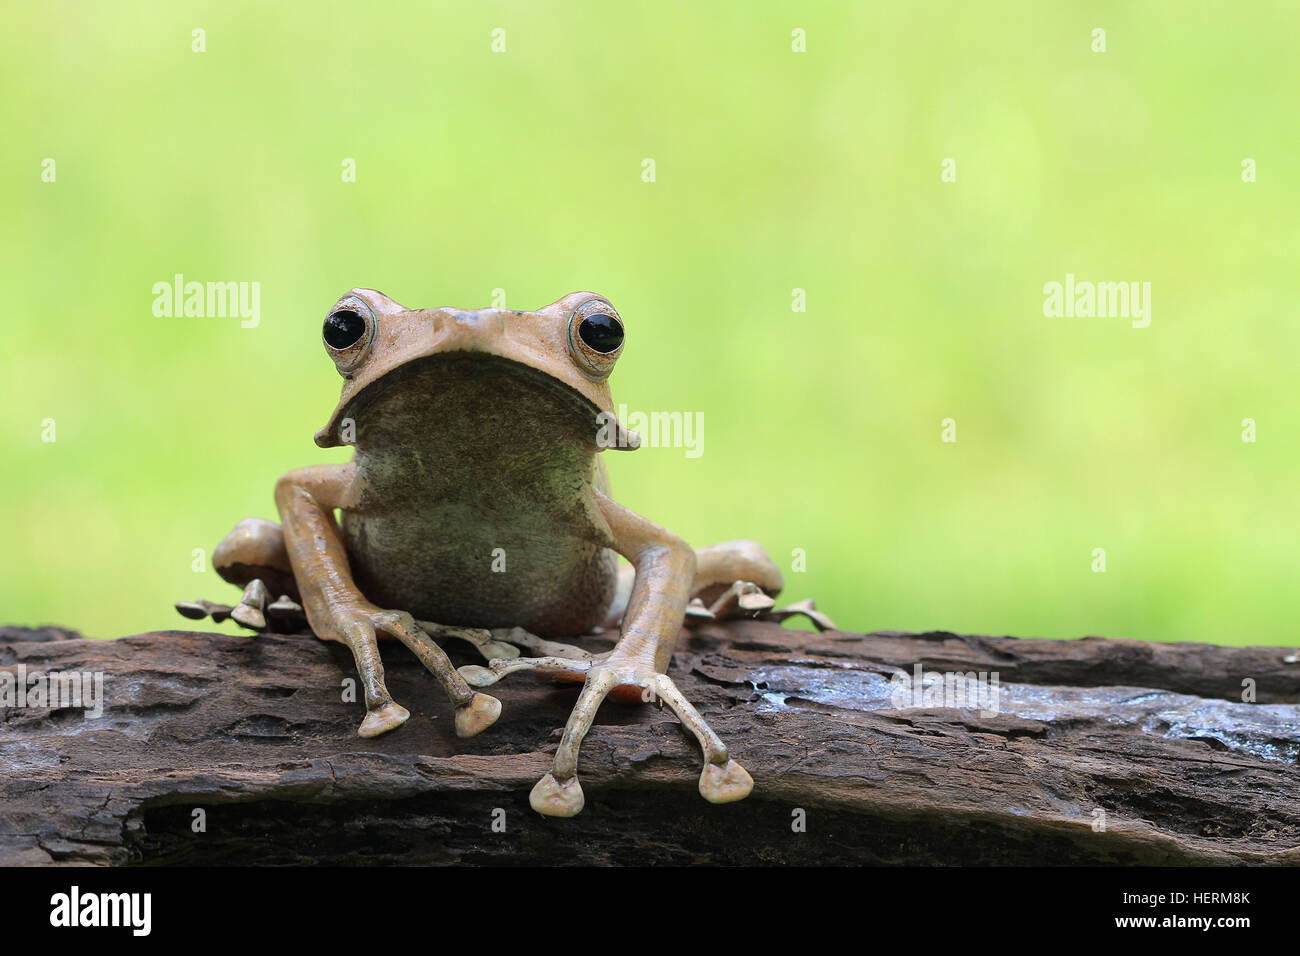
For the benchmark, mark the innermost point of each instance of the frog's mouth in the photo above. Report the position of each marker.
(471, 383)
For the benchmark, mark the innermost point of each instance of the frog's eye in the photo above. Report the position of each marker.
(343, 329)
(596, 338)
(349, 329)
(602, 332)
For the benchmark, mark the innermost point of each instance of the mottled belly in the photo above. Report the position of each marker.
(445, 570)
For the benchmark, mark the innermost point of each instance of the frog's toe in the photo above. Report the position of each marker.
(479, 714)
(551, 798)
(725, 783)
(806, 608)
(474, 712)
(198, 610)
(285, 614)
(697, 614)
(250, 611)
(382, 719)
(538, 645)
(742, 599)
(486, 642)
(477, 676)
(191, 609)
(498, 651)
(723, 780)
(562, 667)
(252, 618)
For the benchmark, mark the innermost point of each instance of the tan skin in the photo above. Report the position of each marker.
(477, 507)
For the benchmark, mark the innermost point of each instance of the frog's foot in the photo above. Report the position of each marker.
(559, 794)
(357, 627)
(255, 611)
(747, 599)
(475, 712)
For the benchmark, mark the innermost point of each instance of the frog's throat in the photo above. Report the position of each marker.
(609, 431)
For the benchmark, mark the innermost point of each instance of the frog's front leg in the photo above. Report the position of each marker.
(338, 611)
(665, 573)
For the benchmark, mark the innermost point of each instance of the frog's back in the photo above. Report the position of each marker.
(473, 501)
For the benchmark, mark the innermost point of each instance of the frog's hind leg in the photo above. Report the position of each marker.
(666, 575)
(732, 579)
(253, 557)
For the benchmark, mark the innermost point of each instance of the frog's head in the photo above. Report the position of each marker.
(574, 341)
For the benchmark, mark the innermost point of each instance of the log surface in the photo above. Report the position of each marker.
(1099, 752)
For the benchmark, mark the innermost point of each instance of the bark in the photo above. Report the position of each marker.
(1096, 751)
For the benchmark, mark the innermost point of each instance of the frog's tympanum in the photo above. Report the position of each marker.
(477, 507)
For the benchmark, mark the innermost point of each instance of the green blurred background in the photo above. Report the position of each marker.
(775, 170)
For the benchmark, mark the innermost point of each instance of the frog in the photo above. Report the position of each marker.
(477, 506)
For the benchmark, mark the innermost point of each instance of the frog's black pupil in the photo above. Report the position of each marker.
(602, 332)
(344, 328)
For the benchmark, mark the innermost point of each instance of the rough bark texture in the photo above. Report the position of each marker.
(252, 731)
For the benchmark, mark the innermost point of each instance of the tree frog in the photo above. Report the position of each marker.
(477, 506)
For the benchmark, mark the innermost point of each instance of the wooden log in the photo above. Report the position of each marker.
(1095, 751)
